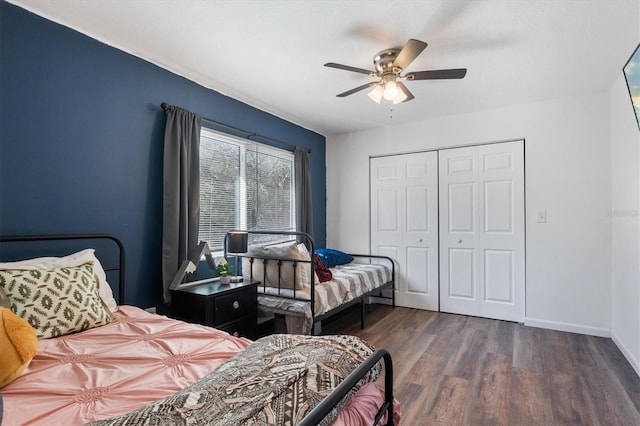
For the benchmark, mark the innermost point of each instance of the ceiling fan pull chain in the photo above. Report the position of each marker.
(391, 112)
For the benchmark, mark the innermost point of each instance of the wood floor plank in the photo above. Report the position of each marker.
(527, 349)
(490, 402)
(429, 369)
(413, 396)
(414, 348)
(447, 324)
(612, 404)
(458, 370)
(555, 350)
(570, 401)
(470, 355)
(454, 393)
(530, 402)
(616, 362)
(585, 351)
(501, 336)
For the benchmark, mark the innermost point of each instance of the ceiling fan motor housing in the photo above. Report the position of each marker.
(383, 61)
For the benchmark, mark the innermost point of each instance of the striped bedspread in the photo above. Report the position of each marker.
(349, 282)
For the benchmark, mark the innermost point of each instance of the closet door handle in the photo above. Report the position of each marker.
(460, 241)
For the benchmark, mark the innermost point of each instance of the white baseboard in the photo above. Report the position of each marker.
(627, 353)
(571, 328)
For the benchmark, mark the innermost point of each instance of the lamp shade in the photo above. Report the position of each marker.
(376, 93)
(237, 242)
(390, 90)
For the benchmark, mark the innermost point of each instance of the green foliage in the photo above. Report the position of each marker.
(224, 269)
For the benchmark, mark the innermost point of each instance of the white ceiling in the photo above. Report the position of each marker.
(270, 53)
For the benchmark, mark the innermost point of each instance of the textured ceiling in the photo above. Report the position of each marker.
(270, 54)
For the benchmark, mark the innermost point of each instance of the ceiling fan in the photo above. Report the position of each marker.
(389, 65)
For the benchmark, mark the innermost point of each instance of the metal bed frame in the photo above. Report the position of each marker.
(308, 241)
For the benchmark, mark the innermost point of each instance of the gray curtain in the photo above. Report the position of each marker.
(304, 208)
(181, 191)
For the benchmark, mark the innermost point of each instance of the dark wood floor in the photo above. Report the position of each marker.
(459, 370)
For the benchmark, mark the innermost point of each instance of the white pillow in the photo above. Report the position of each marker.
(288, 251)
(75, 259)
(306, 267)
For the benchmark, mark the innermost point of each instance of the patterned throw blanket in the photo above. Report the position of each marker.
(276, 380)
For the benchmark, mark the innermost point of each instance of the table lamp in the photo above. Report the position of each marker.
(237, 242)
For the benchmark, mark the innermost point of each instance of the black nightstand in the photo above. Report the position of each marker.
(230, 307)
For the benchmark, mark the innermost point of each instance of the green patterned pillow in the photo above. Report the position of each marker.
(56, 301)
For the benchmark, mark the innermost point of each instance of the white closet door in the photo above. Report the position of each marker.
(404, 225)
(482, 231)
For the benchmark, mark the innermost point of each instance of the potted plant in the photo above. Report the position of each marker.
(224, 271)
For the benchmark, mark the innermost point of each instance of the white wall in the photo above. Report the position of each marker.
(567, 161)
(625, 224)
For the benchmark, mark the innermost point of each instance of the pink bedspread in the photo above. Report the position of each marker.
(114, 369)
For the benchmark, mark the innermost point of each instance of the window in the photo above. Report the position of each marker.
(243, 185)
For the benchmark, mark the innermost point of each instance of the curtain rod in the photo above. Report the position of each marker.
(249, 134)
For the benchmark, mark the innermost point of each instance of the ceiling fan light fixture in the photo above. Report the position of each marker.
(376, 93)
(400, 97)
(391, 90)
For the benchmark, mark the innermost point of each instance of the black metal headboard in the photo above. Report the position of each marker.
(77, 237)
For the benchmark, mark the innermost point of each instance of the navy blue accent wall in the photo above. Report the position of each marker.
(81, 141)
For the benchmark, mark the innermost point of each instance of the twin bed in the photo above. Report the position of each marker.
(290, 284)
(141, 368)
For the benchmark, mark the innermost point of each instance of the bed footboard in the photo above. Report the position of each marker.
(325, 406)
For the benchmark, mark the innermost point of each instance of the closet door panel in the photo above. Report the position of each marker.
(407, 220)
(461, 274)
(418, 264)
(482, 230)
(499, 283)
(498, 207)
(387, 209)
(458, 231)
(502, 240)
(461, 209)
(418, 209)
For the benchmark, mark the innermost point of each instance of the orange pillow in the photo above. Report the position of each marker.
(19, 345)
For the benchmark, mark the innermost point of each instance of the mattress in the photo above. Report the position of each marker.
(115, 369)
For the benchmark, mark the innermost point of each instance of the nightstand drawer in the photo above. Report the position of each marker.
(244, 327)
(235, 305)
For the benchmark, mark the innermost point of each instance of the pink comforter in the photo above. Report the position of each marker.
(114, 369)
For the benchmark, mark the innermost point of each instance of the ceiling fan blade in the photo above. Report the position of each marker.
(407, 93)
(409, 52)
(437, 74)
(349, 68)
(357, 89)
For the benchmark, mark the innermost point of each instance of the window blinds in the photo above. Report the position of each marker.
(243, 185)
